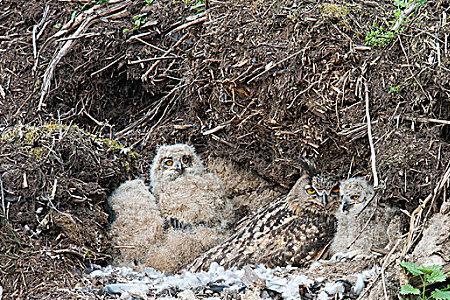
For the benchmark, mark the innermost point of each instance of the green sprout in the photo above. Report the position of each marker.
(379, 37)
(394, 89)
(427, 276)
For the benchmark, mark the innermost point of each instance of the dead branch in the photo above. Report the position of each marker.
(369, 135)
(427, 120)
(2, 194)
(48, 75)
(84, 19)
(386, 262)
(271, 65)
(108, 65)
(35, 35)
(405, 13)
(188, 24)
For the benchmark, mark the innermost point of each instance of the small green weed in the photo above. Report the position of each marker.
(394, 89)
(332, 10)
(149, 2)
(193, 2)
(428, 275)
(379, 37)
(195, 5)
(401, 3)
(138, 21)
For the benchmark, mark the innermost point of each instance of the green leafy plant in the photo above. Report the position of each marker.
(139, 20)
(394, 89)
(379, 37)
(193, 2)
(443, 294)
(195, 5)
(427, 276)
(401, 3)
(149, 2)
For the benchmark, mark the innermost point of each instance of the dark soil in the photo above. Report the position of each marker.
(265, 84)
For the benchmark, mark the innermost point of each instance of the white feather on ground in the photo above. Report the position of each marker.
(327, 280)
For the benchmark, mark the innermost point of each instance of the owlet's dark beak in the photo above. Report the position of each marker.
(324, 199)
(346, 206)
(178, 167)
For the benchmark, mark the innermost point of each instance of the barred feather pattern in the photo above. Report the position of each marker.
(292, 230)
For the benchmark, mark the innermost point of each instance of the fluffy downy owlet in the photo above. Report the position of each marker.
(184, 189)
(362, 225)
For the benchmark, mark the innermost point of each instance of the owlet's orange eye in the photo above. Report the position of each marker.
(169, 162)
(310, 191)
(335, 190)
(354, 197)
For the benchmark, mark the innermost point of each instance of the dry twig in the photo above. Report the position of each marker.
(188, 24)
(2, 193)
(108, 65)
(386, 262)
(35, 35)
(404, 14)
(165, 54)
(427, 120)
(49, 72)
(369, 135)
(270, 66)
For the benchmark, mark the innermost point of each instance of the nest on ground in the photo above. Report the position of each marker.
(261, 84)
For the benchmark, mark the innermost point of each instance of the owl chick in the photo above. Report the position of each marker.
(137, 223)
(184, 189)
(145, 239)
(362, 225)
(291, 230)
